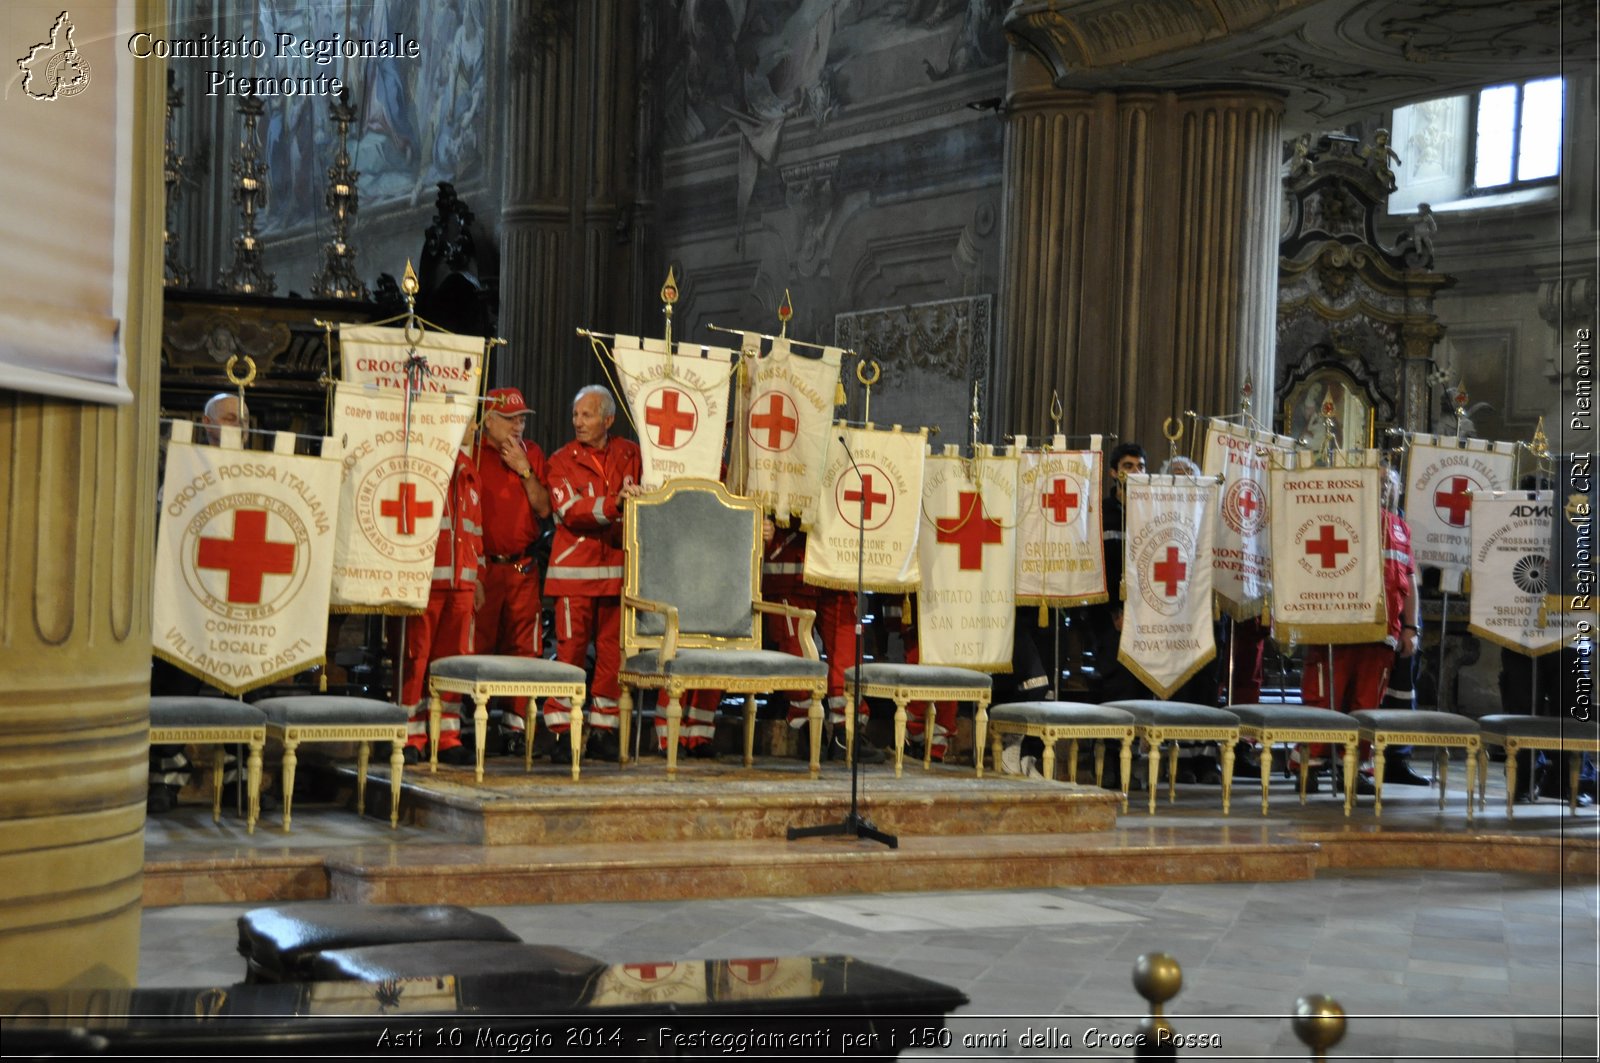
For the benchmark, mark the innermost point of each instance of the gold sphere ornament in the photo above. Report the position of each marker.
(1318, 1022)
(1158, 978)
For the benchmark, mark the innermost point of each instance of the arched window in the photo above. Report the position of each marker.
(1516, 135)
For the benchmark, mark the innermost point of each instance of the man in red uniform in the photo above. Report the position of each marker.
(1359, 674)
(445, 629)
(589, 479)
(511, 471)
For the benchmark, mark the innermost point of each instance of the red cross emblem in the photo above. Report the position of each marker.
(970, 530)
(247, 557)
(777, 420)
(1059, 503)
(1248, 503)
(754, 970)
(866, 497)
(1327, 546)
(1453, 503)
(668, 419)
(1170, 572)
(405, 509)
(649, 972)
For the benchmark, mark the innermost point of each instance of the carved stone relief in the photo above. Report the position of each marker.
(930, 353)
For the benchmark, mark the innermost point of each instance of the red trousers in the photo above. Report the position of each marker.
(699, 718)
(508, 623)
(445, 630)
(580, 621)
(1360, 675)
(944, 712)
(836, 626)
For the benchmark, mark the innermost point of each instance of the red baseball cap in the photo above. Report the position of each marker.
(507, 402)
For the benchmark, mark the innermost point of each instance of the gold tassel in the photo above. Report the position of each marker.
(839, 398)
(907, 618)
(323, 682)
(1044, 615)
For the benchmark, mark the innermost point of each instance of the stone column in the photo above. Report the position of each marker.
(569, 130)
(77, 541)
(1141, 253)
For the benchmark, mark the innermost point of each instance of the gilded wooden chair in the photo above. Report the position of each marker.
(1553, 734)
(691, 606)
(215, 722)
(297, 719)
(484, 676)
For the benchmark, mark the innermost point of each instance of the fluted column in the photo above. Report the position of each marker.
(77, 519)
(1140, 260)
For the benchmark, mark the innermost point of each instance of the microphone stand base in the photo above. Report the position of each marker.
(853, 823)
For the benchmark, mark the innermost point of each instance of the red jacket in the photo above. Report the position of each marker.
(586, 495)
(782, 561)
(1398, 568)
(509, 526)
(459, 551)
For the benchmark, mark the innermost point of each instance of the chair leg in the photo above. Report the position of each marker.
(980, 725)
(1266, 769)
(219, 756)
(289, 762)
(900, 734)
(927, 738)
(397, 765)
(1152, 769)
(530, 728)
(1048, 762)
(1574, 766)
(1125, 762)
(434, 710)
(363, 758)
(1472, 773)
(625, 728)
(1305, 768)
(1378, 745)
(1441, 760)
(814, 724)
(1227, 775)
(1099, 762)
(1352, 752)
(252, 776)
(674, 726)
(1072, 761)
(575, 740)
(1172, 774)
(749, 730)
(480, 732)
(850, 733)
(1511, 778)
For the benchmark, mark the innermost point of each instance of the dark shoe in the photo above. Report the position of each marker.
(459, 756)
(702, 751)
(161, 799)
(413, 755)
(1364, 787)
(513, 743)
(561, 749)
(866, 752)
(1398, 770)
(602, 745)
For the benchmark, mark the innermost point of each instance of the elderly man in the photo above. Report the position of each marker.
(589, 478)
(223, 410)
(511, 473)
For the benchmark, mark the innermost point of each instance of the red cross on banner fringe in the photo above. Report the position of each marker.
(248, 557)
(775, 421)
(668, 419)
(1059, 502)
(1455, 500)
(1170, 572)
(754, 970)
(1247, 501)
(406, 508)
(970, 530)
(867, 497)
(1327, 546)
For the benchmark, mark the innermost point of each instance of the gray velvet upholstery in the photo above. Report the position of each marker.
(1176, 714)
(278, 942)
(490, 668)
(742, 664)
(1060, 713)
(1297, 717)
(424, 959)
(675, 536)
(330, 709)
(1540, 728)
(1439, 723)
(167, 711)
(920, 675)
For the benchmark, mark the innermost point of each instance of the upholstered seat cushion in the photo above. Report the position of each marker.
(1176, 714)
(740, 664)
(423, 959)
(330, 709)
(1296, 717)
(1538, 728)
(1417, 722)
(491, 668)
(203, 712)
(1060, 713)
(920, 675)
(278, 942)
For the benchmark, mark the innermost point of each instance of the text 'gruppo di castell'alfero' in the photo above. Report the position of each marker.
(317, 53)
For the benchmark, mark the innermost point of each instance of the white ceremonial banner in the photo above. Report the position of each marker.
(791, 415)
(1242, 556)
(679, 405)
(1510, 565)
(1327, 551)
(967, 546)
(1442, 475)
(1167, 615)
(1060, 549)
(380, 355)
(244, 556)
(632, 984)
(397, 457)
(882, 501)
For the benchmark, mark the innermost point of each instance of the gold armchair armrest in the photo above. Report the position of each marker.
(807, 618)
(669, 639)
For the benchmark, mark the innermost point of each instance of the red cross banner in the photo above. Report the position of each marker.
(763, 978)
(871, 490)
(1442, 475)
(431, 360)
(397, 459)
(1168, 576)
(1327, 551)
(244, 555)
(791, 412)
(1060, 552)
(1510, 570)
(632, 984)
(1242, 554)
(966, 610)
(679, 405)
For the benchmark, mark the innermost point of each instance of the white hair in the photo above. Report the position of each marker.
(608, 404)
(1178, 465)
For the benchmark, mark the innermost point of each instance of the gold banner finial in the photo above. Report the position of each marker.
(1540, 447)
(785, 312)
(1319, 1023)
